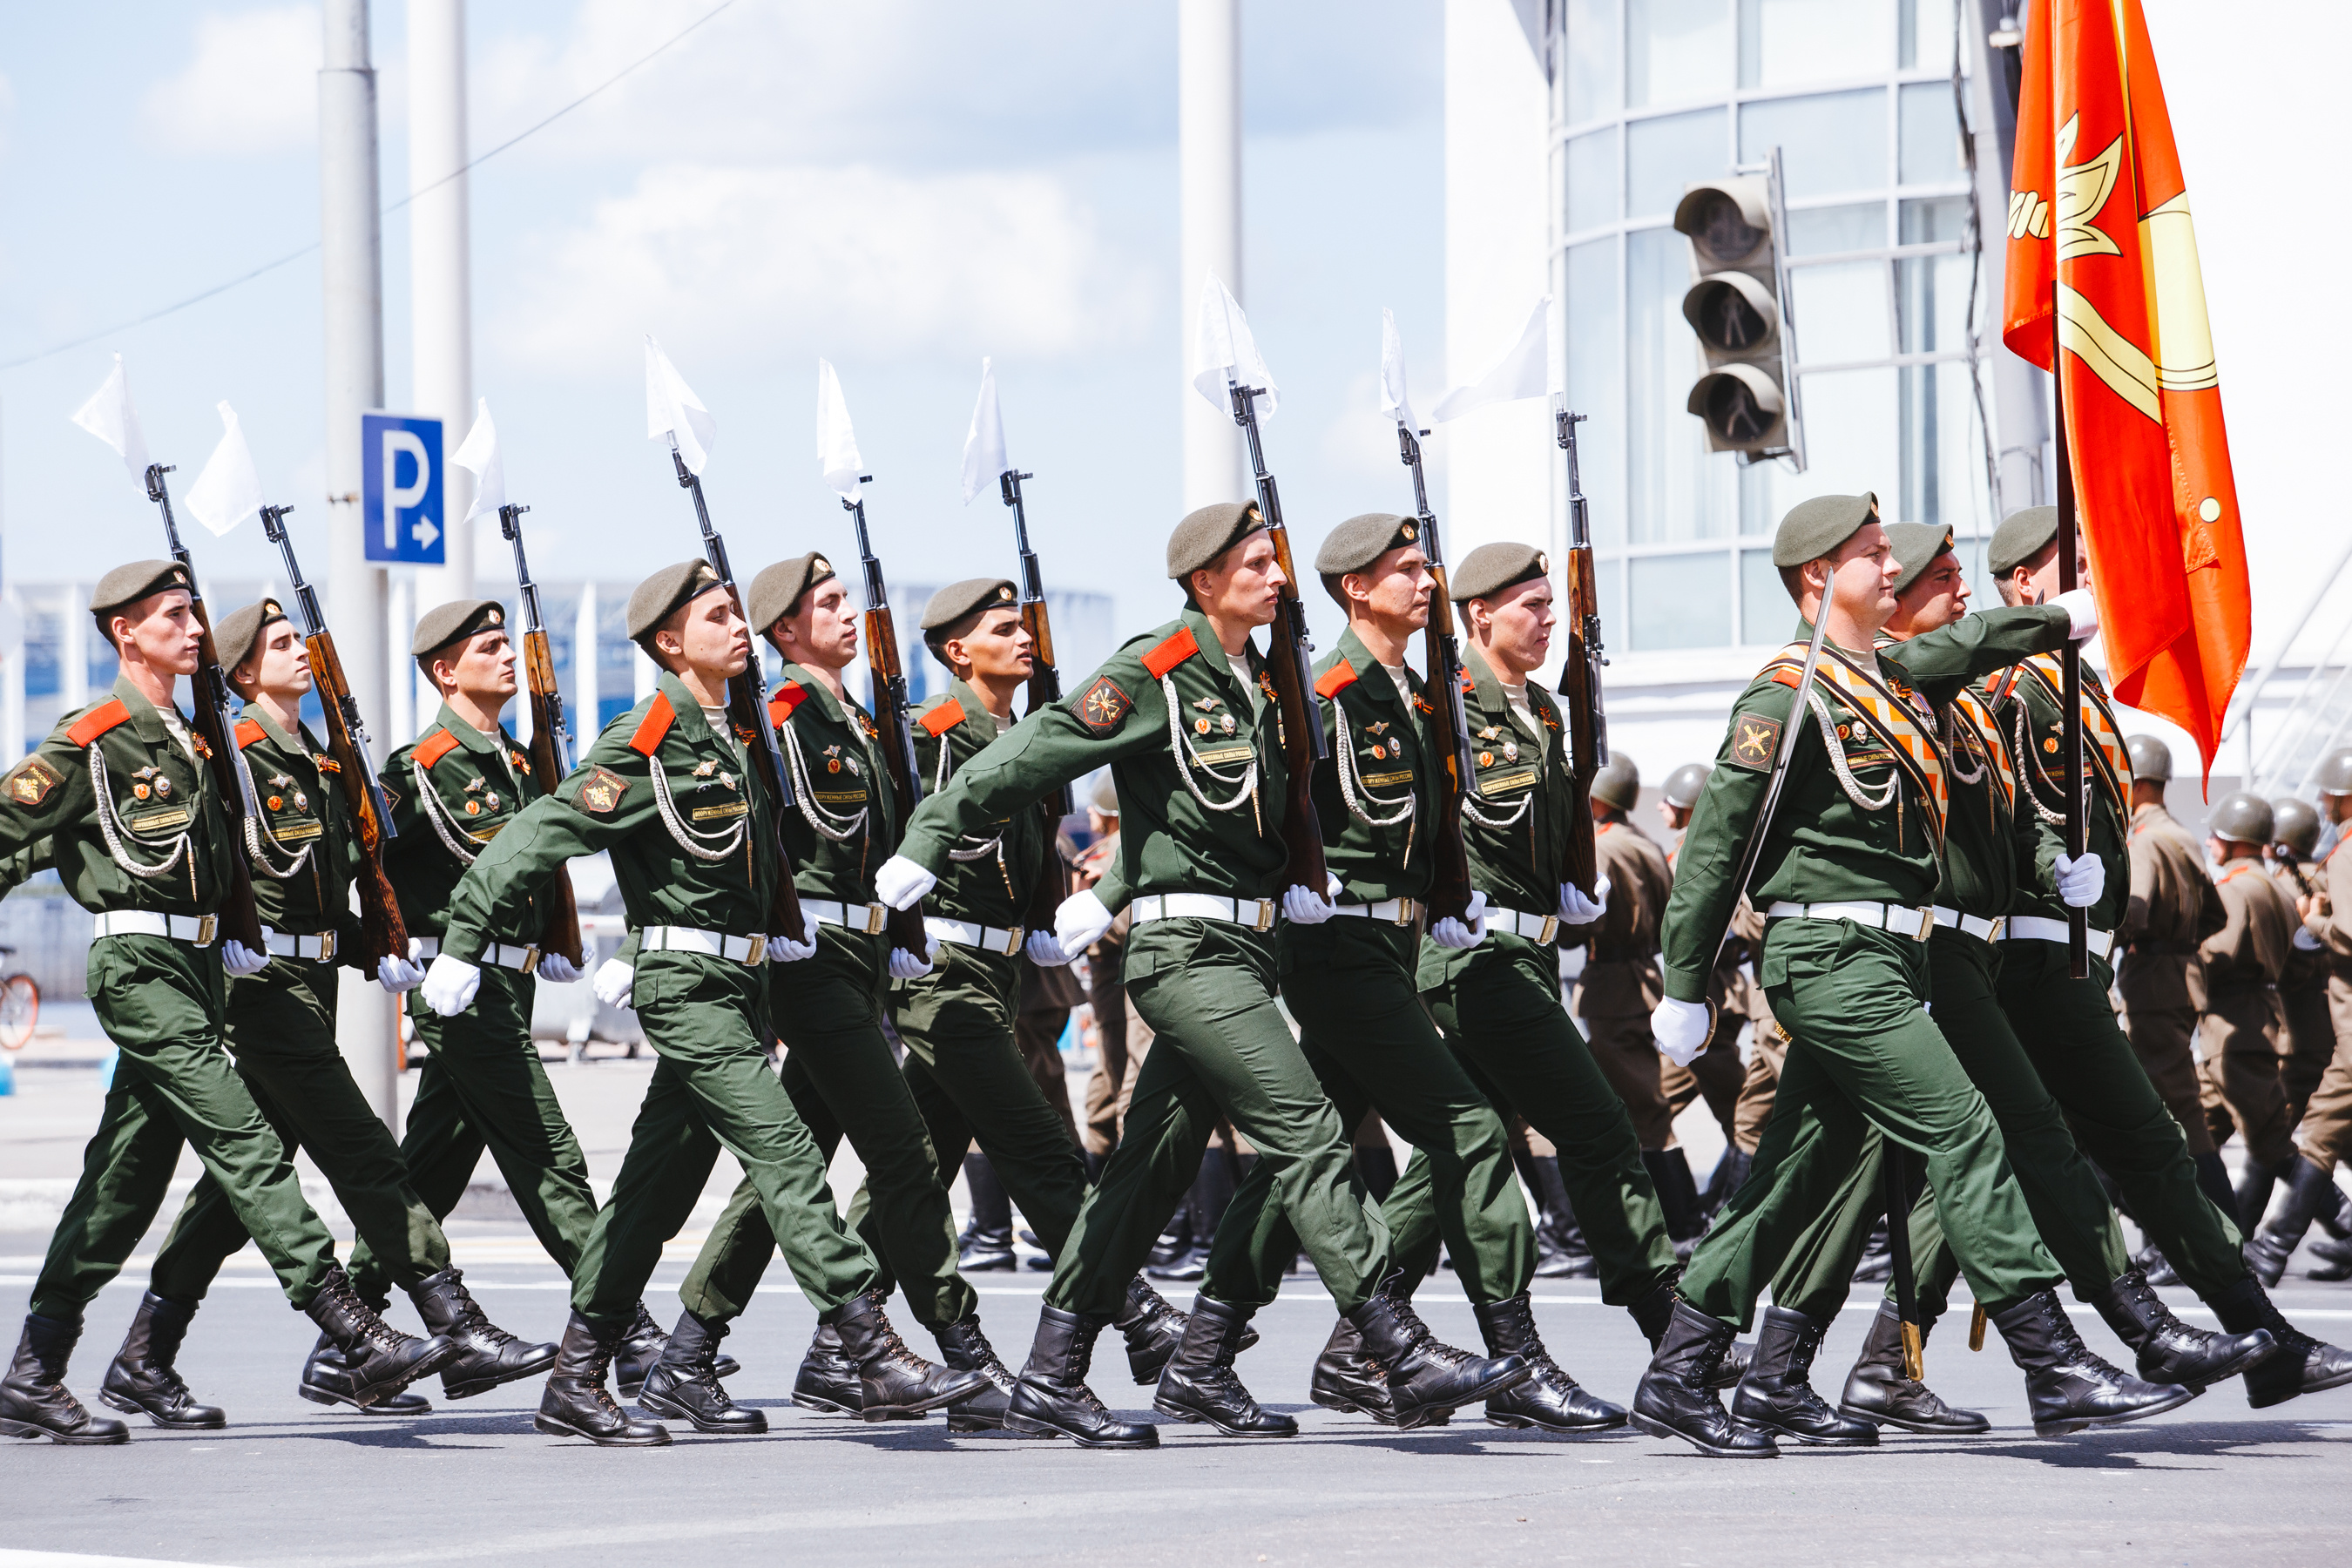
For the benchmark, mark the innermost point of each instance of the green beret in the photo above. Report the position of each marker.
(127, 585)
(660, 594)
(442, 625)
(1360, 541)
(1914, 545)
(1207, 534)
(776, 590)
(1816, 528)
(235, 635)
(1491, 568)
(2020, 537)
(969, 597)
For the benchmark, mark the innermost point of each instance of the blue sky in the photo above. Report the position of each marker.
(900, 186)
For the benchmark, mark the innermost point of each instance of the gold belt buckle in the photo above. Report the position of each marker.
(530, 959)
(1550, 928)
(2000, 925)
(207, 925)
(1265, 920)
(1012, 938)
(326, 947)
(1407, 911)
(1926, 923)
(877, 915)
(759, 953)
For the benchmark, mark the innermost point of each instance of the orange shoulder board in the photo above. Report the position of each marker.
(248, 730)
(430, 749)
(1172, 653)
(654, 726)
(1786, 675)
(942, 718)
(98, 721)
(786, 702)
(1335, 680)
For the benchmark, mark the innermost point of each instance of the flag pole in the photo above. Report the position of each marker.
(2078, 945)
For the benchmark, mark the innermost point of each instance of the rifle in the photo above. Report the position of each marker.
(747, 709)
(1045, 679)
(1447, 731)
(551, 743)
(240, 918)
(383, 934)
(1288, 653)
(892, 710)
(1580, 680)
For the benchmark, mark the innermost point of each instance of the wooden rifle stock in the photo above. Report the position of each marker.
(892, 716)
(560, 932)
(1588, 727)
(1445, 727)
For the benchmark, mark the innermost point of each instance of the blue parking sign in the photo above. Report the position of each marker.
(401, 491)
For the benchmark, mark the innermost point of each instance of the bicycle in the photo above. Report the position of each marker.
(20, 1005)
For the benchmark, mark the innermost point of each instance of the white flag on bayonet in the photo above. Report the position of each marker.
(1223, 351)
(836, 443)
(1394, 403)
(110, 416)
(984, 446)
(674, 414)
(480, 456)
(228, 491)
(1530, 367)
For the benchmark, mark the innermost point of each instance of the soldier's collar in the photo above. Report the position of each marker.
(975, 713)
(273, 728)
(690, 723)
(145, 718)
(1484, 683)
(465, 735)
(1360, 659)
(1212, 652)
(831, 707)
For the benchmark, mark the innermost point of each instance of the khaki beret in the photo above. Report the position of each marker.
(1815, 527)
(1491, 568)
(2020, 538)
(1207, 534)
(237, 633)
(1360, 541)
(973, 595)
(658, 596)
(442, 625)
(1915, 544)
(129, 583)
(777, 589)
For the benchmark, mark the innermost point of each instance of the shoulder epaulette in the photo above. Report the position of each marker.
(1335, 680)
(1170, 653)
(786, 702)
(248, 730)
(942, 719)
(98, 721)
(653, 726)
(434, 747)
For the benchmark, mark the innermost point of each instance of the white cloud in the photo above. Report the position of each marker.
(251, 86)
(853, 260)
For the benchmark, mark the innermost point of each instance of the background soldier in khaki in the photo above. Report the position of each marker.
(2303, 983)
(1718, 1074)
(2241, 1026)
(1107, 986)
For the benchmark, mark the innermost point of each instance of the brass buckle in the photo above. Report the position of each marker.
(759, 953)
(326, 947)
(1926, 923)
(530, 959)
(1013, 936)
(1999, 928)
(207, 926)
(1407, 911)
(877, 915)
(1265, 920)
(1550, 928)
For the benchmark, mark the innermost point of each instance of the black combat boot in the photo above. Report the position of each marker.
(1175, 1239)
(2310, 1192)
(1052, 1399)
(1425, 1375)
(576, 1404)
(488, 1354)
(684, 1384)
(965, 1349)
(34, 1399)
(2169, 1350)
(827, 1379)
(2253, 1195)
(1777, 1396)
(894, 1383)
(641, 1351)
(2332, 1259)
(2152, 1261)
(986, 1245)
(1153, 1329)
(1676, 1397)
(327, 1380)
(1879, 1390)
(2300, 1364)
(143, 1380)
(1730, 1172)
(1200, 1384)
(1654, 1313)
(1876, 1265)
(378, 1359)
(1549, 1400)
(1346, 1378)
(2067, 1388)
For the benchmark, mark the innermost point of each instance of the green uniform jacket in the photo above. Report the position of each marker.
(1980, 864)
(992, 879)
(844, 824)
(2034, 719)
(1201, 811)
(1822, 846)
(669, 798)
(452, 792)
(309, 850)
(160, 808)
(1372, 795)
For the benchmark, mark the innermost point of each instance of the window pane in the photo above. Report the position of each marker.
(1678, 50)
(1609, 576)
(1932, 220)
(1928, 35)
(1931, 135)
(1662, 156)
(1593, 181)
(1784, 43)
(1943, 462)
(1825, 231)
(1931, 294)
(1595, 350)
(1767, 491)
(1676, 489)
(1591, 26)
(1767, 618)
(1840, 311)
(1829, 144)
(1851, 433)
(1680, 601)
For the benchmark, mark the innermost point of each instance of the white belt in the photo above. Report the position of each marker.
(1977, 926)
(1519, 922)
(1901, 918)
(2034, 927)
(867, 918)
(195, 930)
(319, 949)
(1393, 912)
(753, 949)
(1255, 913)
(498, 955)
(964, 934)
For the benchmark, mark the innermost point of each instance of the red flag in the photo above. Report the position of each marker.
(2099, 230)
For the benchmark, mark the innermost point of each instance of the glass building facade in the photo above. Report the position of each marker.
(1862, 99)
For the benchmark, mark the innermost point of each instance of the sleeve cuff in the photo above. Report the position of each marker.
(465, 946)
(1685, 985)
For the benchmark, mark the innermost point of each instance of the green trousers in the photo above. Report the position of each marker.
(484, 1088)
(2070, 1211)
(161, 1001)
(281, 1029)
(1223, 1052)
(1863, 1053)
(1501, 1014)
(1350, 983)
(705, 1018)
(844, 1081)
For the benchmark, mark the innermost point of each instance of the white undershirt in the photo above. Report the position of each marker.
(179, 731)
(719, 725)
(1517, 695)
(1240, 665)
(1003, 721)
(1403, 686)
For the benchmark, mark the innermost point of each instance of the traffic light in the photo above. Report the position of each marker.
(1748, 399)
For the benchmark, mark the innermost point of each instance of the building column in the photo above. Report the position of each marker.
(585, 699)
(441, 329)
(1209, 181)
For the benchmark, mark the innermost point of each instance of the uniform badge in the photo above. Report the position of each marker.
(1753, 737)
(832, 765)
(1377, 727)
(1102, 707)
(162, 785)
(1226, 722)
(302, 802)
(516, 759)
(706, 768)
(492, 800)
(31, 782)
(1201, 726)
(2050, 744)
(600, 791)
(854, 768)
(203, 747)
(141, 791)
(1486, 759)
(277, 803)
(1265, 684)
(475, 783)
(1205, 704)
(473, 808)
(1510, 750)
(1489, 733)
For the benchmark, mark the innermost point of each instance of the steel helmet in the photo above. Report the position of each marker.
(2294, 822)
(2151, 758)
(1683, 783)
(2336, 772)
(2243, 818)
(1619, 782)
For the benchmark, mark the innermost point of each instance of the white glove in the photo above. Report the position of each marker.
(557, 970)
(2080, 882)
(2304, 941)
(1045, 950)
(1079, 922)
(2082, 607)
(398, 974)
(450, 984)
(905, 965)
(786, 950)
(900, 882)
(1680, 1030)
(612, 983)
(1576, 908)
(241, 960)
(1466, 932)
(1301, 905)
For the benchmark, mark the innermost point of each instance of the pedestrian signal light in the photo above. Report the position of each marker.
(1737, 306)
